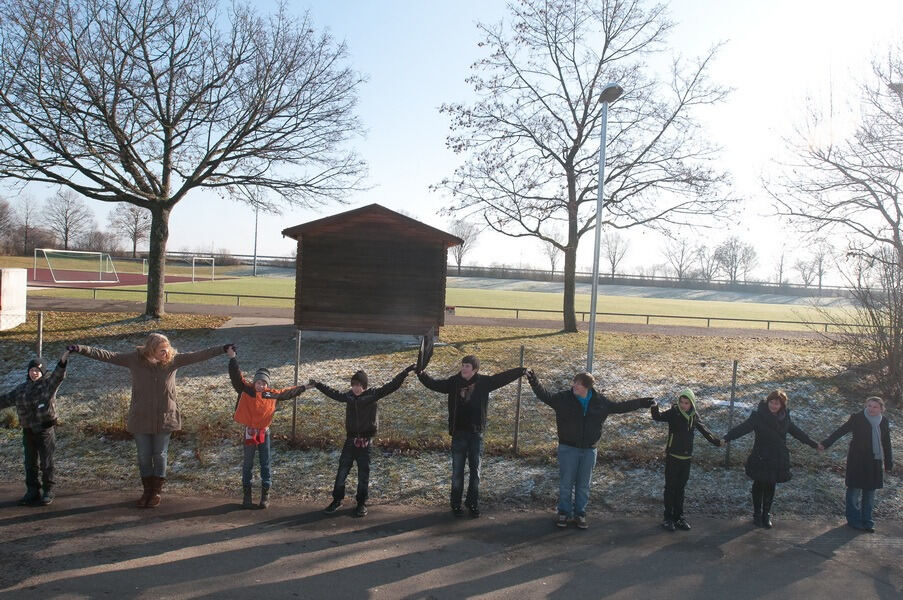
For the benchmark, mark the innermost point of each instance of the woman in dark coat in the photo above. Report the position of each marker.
(869, 451)
(769, 461)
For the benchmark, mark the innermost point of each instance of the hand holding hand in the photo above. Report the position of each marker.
(72, 348)
(531, 376)
(226, 347)
(409, 368)
(230, 352)
(649, 402)
(311, 383)
(820, 447)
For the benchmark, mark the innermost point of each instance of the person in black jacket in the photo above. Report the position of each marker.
(769, 460)
(580, 412)
(468, 400)
(34, 402)
(361, 421)
(869, 451)
(683, 421)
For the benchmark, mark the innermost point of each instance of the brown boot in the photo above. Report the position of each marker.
(156, 489)
(148, 490)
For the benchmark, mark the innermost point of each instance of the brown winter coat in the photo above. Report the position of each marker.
(153, 407)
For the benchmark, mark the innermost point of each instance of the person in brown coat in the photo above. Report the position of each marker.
(153, 412)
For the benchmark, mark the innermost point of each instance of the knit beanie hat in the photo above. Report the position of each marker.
(36, 363)
(263, 375)
(361, 378)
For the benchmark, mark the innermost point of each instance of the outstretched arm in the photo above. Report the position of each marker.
(541, 394)
(59, 373)
(742, 429)
(505, 377)
(289, 393)
(235, 377)
(838, 433)
(799, 434)
(630, 405)
(393, 385)
(330, 392)
(189, 358)
(712, 438)
(121, 359)
(437, 385)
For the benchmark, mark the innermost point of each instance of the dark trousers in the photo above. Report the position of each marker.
(350, 455)
(466, 447)
(763, 496)
(677, 473)
(39, 447)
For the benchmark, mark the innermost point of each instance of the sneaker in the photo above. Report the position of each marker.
(457, 511)
(868, 529)
(581, 521)
(668, 525)
(47, 498)
(332, 507)
(31, 497)
(682, 524)
(474, 510)
(360, 510)
(562, 520)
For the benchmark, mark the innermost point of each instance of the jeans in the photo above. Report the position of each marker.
(859, 508)
(152, 449)
(466, 446)
(39, 447)
(247, 464)
(350, 455)
(575, 469)
(677, 473)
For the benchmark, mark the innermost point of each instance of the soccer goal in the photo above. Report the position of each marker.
(73, 266)
(199, 271)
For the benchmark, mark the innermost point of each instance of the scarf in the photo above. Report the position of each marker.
(876, 434)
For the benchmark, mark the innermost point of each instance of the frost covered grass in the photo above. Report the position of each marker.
(411, 462)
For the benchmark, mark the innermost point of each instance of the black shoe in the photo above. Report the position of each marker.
(682, 524)
(868, 529)
(757, 519)
(47, 498)
(31, 497)
(332, 507)
(668, 525)
(264, 498)
(246, 501)
(766, 521)
(562, 521)
(474, 510)
(360, 510)
(457, 511)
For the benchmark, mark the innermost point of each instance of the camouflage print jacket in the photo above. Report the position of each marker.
(34, 400)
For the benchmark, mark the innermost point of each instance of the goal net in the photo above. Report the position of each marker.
(73, 266)
(200, 270)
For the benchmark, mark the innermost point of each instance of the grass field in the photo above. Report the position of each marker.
(527, 304)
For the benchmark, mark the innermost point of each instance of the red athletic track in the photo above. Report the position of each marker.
(44, 279)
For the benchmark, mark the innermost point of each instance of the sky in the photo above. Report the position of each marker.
(777, 56)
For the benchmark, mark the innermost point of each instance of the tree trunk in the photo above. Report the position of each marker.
(134, 247)
(156, 261)
(570, 269)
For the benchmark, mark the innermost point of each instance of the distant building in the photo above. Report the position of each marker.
(370, 270)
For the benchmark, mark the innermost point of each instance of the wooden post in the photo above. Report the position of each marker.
(730, 415)
(297, 369)
(40, 347)
(517, 405)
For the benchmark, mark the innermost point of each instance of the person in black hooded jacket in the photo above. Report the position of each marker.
(580, 412)
(769, 460)
(34, 402)
(683, 421)
(468, 400)
(361, 421)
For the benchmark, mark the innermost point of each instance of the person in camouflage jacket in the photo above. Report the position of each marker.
(34, 402)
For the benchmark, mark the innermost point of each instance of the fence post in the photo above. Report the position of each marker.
(517, 405)
(297, 369)
(40, 347)
(730, 415)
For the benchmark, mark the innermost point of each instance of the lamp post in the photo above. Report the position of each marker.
(610, 93)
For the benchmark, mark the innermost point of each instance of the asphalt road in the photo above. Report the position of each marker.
(95, 545)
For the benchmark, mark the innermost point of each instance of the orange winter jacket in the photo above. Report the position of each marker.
(253, 409)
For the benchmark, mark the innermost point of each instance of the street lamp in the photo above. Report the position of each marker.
(610, 93)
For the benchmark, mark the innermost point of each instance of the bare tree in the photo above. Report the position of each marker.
(468, 232)
(708, 264)
(821, 261)
(680, 254)
(131, 222)
(779, 277)
(7, 223)
(531, 140)
(805, 268)
(145, 101)
(95, 240)
(27, 225)
(614, 248)
(67, 216)
(735, 258)
(552, 250)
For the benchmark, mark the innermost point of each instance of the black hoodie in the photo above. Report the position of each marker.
(468, 399)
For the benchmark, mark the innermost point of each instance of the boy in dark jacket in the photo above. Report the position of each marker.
(34, 402)
(468, 400)
(580, 412)
(361, 421)
(683, 421)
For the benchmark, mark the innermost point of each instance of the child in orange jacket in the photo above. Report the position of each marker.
(254, 409)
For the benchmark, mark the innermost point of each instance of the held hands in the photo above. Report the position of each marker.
(227, 347)
(72, 348)
(820, 447)
(531, 376)
(230, 352)
(311, 383)
(409, 368)
(648, 402)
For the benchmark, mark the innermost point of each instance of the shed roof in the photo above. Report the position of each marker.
(366, 218)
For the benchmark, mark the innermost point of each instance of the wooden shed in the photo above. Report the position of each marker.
(370, 270)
